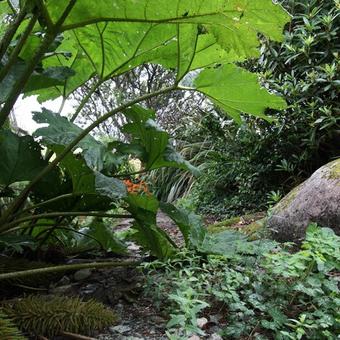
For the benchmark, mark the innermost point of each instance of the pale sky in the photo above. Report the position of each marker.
(23, 109)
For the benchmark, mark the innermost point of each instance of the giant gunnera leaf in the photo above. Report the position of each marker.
(236, 90)
(107, 38)
(20, 158)
(150, 143)
(121, 34)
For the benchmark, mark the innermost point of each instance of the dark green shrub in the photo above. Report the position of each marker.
(259, 157)
(276, 295)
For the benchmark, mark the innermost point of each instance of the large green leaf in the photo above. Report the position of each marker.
(190, 224)
(92, 191)
(67, 54)
(60, 131)
(229, 243)
(104, 235)
(139, 204)
(209, 52)
(109, 186)
(111, 46)
(122, 34)
(20, 158)
(258, 16)
(149, 235)
(153, 143)
(87, 181)
(244, 20)
(187, 36)
(236, 90)
(109, 38)
(153, 239)
(48, 78)
(4, 9)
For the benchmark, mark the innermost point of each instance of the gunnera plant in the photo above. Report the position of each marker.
(8, 331)
(52, 315)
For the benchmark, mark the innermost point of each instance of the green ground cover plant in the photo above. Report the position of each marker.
(261, 294)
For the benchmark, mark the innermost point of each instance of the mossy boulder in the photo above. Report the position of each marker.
(315, 200)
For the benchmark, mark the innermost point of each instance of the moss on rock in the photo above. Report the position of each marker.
(334, 169)
(251, 225)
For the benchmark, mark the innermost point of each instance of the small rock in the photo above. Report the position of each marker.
(82, 274)
(215, 318)
(62, 290)
(133, 247)
(157, 319)
(65, 280)
(89, 289)
(201, 322)
(194, 337)
(215, 336)
(121, 329)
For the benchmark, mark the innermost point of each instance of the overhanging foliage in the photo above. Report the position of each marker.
(50, 48)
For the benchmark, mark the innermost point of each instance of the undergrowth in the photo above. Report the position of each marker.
(277, 295)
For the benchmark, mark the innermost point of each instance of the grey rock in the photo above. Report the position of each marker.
(194, 337)
(157, 319)
(89, 289)
(215, 318)
(65, 280)
(215, 336)
(121, 329)
(62, 290)
(315, 200)
(82, 274)
(133, 247)
(201, 322)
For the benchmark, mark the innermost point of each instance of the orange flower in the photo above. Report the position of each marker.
(136, 188)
